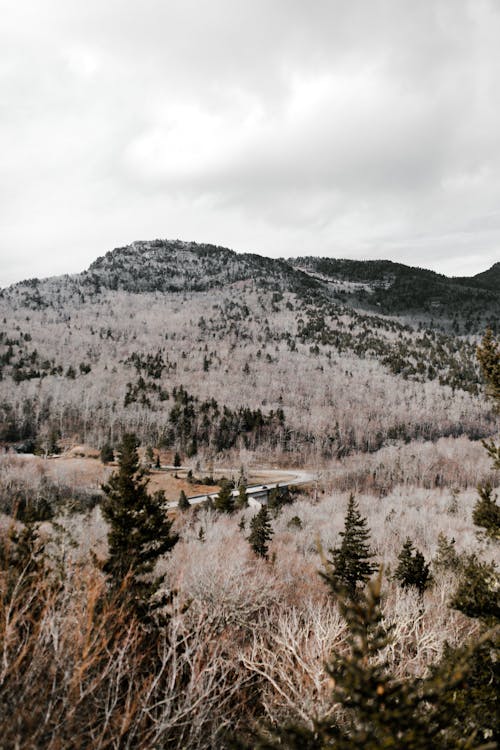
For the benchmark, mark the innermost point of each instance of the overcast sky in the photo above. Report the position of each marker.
(360, 129)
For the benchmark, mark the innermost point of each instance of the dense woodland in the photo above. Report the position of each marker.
(359, 612)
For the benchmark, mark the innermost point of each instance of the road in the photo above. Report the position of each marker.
(294, 478)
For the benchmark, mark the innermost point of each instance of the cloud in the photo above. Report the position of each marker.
(362, 129)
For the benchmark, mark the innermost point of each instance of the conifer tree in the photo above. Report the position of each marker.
(488, 355)
(447, 557)
(139, 529)
(261, 532)
(477, 595)
(242, 499)
(183, 503)
(412, 570)
(107, 453)
(371, 707)
(224, 502)
(486, 511)
(350, 561)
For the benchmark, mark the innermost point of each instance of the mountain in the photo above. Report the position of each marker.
(161, 266)
(489, 279)
(206, 350)
(460, 304)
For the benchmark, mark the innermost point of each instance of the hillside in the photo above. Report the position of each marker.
(207, 351)
(462, 305)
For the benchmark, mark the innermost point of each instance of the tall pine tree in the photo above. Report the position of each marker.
(224, 502)
(260, 532)
(412, 570)
(350, 562)
(139, 528)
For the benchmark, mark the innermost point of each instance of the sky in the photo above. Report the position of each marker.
(355, 129)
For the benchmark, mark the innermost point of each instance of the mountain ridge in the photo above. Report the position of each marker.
(462, 305)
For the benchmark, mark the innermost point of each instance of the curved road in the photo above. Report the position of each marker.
(282, 478)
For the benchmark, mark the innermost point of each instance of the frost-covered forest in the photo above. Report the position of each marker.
(217, 625)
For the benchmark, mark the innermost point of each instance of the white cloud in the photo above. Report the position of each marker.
(367, 129)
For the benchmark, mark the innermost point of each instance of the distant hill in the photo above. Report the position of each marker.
(464, 305)
(489, 279)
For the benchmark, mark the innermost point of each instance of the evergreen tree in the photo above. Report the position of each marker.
(412, 569)
(224, 502)
(478, 591)
(447, 557)
(107, 453)
(177, 460)
(183, 503)
(486, 512)
(371, 707)
(261, 532)
(475, 703)
(350, 562)
(139, 528)
(242, 498)
(488, 354)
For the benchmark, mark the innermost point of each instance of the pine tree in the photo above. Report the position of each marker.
(261, 532)
(488, 355)
(139, 529)
(224, 502)
(371, 707)
(486, 511)
(350, 561)
(183, 503)
(447, 557)
(478, 591)
(107, 453)
(412, 570)
(177, 460)
(475, 703)
(242, 499)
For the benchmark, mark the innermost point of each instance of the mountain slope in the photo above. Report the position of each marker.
(201, 348)
(464, 305)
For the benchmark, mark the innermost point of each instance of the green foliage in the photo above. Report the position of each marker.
(183, 503)
(177, 460)
(22, 558)
(278, 497)
(224, 502)
(139, 529)
(350, 562)
(478, 591)
(475, 702)
(107, 453)
(473, 705)
(372, 709)
(242, 499)
(261, 532)
(488, 355)
(486, 512)
(412, 570)
(447, 557)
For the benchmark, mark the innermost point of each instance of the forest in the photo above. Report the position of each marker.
(360, 610)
